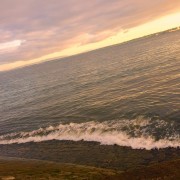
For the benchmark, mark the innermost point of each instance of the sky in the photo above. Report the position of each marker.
(33, 31)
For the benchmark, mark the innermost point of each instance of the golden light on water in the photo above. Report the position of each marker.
(161, 24)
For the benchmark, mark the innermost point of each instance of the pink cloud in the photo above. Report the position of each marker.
(49, 26)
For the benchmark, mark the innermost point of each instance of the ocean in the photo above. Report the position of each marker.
(127, 94)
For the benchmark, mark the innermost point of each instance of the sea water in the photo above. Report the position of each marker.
(126, 94)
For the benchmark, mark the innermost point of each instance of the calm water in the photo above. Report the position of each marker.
(127, 94)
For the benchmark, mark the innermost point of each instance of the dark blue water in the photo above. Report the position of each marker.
(128, 94)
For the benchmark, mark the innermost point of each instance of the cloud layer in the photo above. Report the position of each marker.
(44, 26)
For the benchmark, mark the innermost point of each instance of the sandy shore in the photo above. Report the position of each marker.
(86, 160)
(17, 168)
(90, 154)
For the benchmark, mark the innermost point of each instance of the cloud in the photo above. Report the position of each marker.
(8, 45)
(51, 26)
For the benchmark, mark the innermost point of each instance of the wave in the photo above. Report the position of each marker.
(137, 133)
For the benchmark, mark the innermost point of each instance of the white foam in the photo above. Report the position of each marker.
(133, 133)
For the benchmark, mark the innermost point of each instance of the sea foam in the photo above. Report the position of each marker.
(138, 133)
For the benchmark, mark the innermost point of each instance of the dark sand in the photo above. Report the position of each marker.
(87, 160)
(90, 154)
(12, 168)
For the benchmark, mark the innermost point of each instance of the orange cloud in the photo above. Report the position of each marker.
(67, 27)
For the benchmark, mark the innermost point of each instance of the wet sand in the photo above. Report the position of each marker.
(90, 154)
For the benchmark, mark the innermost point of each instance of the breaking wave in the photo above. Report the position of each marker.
(138, 133)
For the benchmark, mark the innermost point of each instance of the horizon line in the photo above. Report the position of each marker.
(177, 28)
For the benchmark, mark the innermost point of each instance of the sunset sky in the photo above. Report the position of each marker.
(33, 31)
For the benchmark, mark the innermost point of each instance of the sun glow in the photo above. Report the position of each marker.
(161, 24)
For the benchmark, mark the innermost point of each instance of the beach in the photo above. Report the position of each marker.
(90, 154)
(108, 110)
(16, 168)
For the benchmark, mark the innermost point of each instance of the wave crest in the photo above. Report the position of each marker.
(138, 133)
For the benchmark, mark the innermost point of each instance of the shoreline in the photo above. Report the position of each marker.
(21, 168)
(18, 168)
(90, 154)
